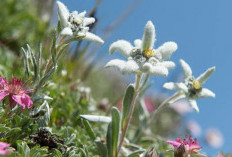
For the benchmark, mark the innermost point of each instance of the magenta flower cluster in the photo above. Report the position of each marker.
(191, 145)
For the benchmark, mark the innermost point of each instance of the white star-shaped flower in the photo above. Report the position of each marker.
(191, 87)
(74, 24)
(143, 58)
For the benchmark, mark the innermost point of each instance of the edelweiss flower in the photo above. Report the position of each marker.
(4, 151)
(191, 87)
(16, 91)
(74, 24)
(143, 58)
(185, 146)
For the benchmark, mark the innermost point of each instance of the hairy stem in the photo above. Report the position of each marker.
(153, 116)
(124, 128)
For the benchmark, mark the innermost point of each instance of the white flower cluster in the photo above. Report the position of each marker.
(143, 58)
(74, 24)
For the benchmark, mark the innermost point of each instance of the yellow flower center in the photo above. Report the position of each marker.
(196, 84)
(148, 52)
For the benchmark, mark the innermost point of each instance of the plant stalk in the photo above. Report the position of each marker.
(124, 129)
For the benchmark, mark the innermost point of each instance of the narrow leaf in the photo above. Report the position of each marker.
(89, 129)
(136, 153)
(94, 118)
(115, 130)
(127, 104)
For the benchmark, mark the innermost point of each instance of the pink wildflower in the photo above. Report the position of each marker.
(191, 146)
(4, 151)
(16, 91)
(150, 106)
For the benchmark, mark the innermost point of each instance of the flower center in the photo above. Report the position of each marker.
(197, 85)
(148, 52)
(194, 86)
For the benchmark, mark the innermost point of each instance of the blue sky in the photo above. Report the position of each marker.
(201, 28)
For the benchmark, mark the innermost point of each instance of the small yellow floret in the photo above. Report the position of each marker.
(196, 84)
(149, 52)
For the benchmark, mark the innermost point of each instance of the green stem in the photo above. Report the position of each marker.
(144, 81)
(161, 106)
(124, 129)
(153, 116)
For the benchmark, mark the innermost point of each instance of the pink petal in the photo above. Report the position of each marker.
(174, 143)
(4, 152)
(3, 94)
(4, 145)
(194, 147)
(24, 100)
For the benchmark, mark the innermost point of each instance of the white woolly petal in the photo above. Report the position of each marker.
(155, 70)
(88, 21)
(193, 104)
(186, 68)
(180, 97)
(82, 14)
(138, 43)
(66, 31)
(125, 67)
(206, 93)
(203, 77)
(63, 14)
(168, 64)
(176, 86)
(92, 37)
(122, 46)
(148, 36)
(167, 49)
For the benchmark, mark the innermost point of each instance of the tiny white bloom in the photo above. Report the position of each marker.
(143, 58)
(191, 87)
(74, 24)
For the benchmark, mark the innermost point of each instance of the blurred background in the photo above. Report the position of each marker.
(202, 30)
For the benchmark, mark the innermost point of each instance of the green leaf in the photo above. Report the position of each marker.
(13, 133)
(109, 140)
(38, 151)
(101, 148)
(57, 153)
(23, 149)
(127, 104)
(136, 153)
(94, 118)
(113, 133)
(89, 129)
(3, 128)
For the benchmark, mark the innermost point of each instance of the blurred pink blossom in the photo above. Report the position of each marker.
(182, 107)
(150, 106)
(4, 151)
(214, 138)
(194, 128)
(16, 92)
